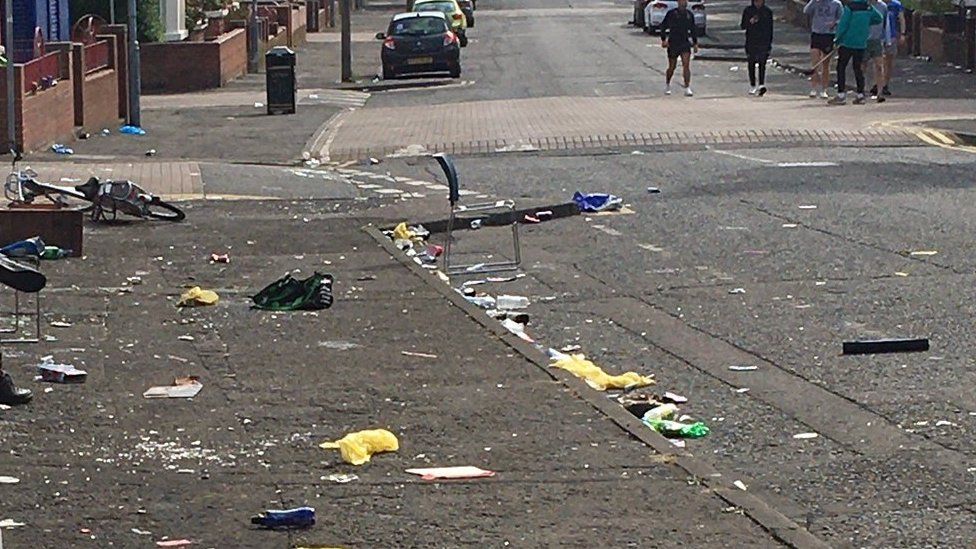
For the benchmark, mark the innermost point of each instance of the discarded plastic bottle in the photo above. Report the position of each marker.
(509, 302)
(53, 252)
(674, 429)
(299, 517)
(663, 411)
(485, 302)
(24, 248)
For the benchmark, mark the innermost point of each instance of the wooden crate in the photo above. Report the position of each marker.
(61, 227)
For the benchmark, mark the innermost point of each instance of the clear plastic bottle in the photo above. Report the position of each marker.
(664, 411)
(509, 302)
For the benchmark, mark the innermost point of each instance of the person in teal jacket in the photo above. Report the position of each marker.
(852, 39)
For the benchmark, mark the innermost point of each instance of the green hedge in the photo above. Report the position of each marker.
(147, 15)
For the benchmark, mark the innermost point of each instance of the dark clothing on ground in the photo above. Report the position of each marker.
(759, 34)
(679, 30)
(844, 56)
(760, 61)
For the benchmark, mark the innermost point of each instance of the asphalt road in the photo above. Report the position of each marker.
(820, 240)
(651, 290)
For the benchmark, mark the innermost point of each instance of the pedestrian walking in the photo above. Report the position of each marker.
(824, 16)
(896, 38)
(679, 36)
(757, 21)
(852, 40)
(874, 54)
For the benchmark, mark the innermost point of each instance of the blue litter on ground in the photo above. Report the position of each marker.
(597, 202)
(132, 130)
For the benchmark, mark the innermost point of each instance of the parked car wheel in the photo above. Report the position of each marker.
(388, 73)
(456, 72)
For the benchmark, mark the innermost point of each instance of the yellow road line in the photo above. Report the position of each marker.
(932, 136)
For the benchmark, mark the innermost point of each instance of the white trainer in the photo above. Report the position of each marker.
(688, 92)
(667, 89)
(753, 90)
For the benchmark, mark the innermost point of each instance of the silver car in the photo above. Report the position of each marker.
(655, 11)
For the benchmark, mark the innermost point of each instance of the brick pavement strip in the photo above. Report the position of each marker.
(602, 122)
(172, 180)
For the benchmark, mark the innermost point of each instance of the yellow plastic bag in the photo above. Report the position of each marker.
(197, 297)
(598, 379)
(401, 232)
(357, 447)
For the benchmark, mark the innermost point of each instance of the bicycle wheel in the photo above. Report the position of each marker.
(157, 209)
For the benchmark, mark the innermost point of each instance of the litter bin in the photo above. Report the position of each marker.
(282, 88)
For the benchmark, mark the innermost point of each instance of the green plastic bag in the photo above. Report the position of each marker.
(291, 294)
(675, 429)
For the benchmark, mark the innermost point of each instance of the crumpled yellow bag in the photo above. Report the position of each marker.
(401, 232)
(595, 376)
(357, 447)
(197, 297)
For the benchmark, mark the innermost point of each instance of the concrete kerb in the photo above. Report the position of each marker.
(776, 523)
(390, 85)
(567, 209)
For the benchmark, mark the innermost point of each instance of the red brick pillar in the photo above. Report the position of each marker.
(121, 65)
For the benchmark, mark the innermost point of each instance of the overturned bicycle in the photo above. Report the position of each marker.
(107, 198)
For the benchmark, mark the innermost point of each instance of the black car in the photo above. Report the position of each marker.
(420, 42)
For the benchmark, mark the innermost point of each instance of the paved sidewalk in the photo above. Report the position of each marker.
(171, 180)
(555, 123)
(99, 464)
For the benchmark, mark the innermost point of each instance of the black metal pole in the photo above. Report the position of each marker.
(971, 39)
(253, 57)
(8, 39)
(345, 8)
(135, 79)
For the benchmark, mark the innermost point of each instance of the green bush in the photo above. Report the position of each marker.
(196, 8)
(147, 15)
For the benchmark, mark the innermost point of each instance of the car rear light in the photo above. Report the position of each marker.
(389, 43)
(449, 38)
(457, 16)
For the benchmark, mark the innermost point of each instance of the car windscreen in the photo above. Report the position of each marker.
(418, 26)
(446, 7)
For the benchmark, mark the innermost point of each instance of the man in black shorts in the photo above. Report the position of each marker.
(824, 15)
(679, 36)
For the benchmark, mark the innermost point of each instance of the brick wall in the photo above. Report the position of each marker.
(48, 116)
(100, 108)
(43, 117)
(121, 65)
(931, 44)
(233, 56)
(175, 67)
(96, 95)
(298, 25)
